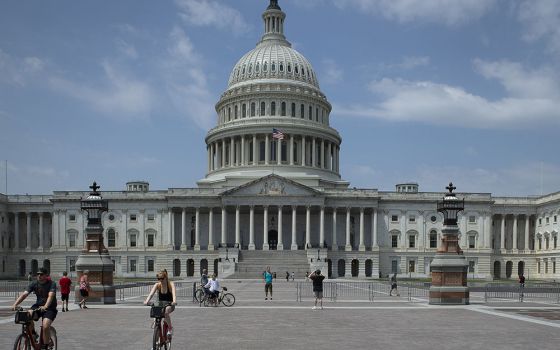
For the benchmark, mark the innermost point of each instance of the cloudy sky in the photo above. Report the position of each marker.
(422, 90)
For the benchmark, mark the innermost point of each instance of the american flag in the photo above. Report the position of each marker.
(277, 134)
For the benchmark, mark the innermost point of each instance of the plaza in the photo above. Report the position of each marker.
(283, 323)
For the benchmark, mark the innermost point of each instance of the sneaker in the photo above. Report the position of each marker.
(265, 298)
(63, 310)
(314, 308)
(84, 307)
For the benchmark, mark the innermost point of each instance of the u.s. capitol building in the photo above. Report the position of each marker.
(279, 201)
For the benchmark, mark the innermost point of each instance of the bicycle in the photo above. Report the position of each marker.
(200, 294)
(27, 339)
(160, 340)
(227, 299)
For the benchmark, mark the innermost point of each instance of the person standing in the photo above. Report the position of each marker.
(293, 275)
(84, 289)
(30, 277)
(317, 280)
(394, 285)
(64, 284)
(213, 286)
(287, 276)
(267, 283)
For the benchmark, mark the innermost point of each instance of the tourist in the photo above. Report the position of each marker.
(84, 289)
(267, 275)
(64, 284)
(45, 306)
(204, 280)
(293, 275)
(166, 293)
(317, 280)
(287, 276)
(213, 286)
(394, 285)
(30, 277)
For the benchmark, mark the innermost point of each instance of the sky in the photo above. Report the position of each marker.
(426, 91)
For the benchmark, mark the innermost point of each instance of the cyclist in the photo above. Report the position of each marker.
(45, 306)
(214, 288)
(166, 293)
(204, 281)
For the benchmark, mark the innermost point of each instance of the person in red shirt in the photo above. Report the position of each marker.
(64, 284)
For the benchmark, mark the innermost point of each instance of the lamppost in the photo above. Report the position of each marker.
(94, 257)
(318, 254)
(449, 267)
(227, 257)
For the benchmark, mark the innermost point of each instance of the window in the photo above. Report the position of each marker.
(133, 217)
(252, 109)
(273, 108)
(150, 265)
(293, 110)
(72, 217)
(472, 219)
(262, 151)
(310, 113)
(133, 265)
(412, 219)
(111, 238)
(243, 110)
(235, 109)
(546, 242)
(302, 111)
(394, 266)
(111, 217)
(433, 218)
(394, 218)
(547, 220)
(72, 265)
(555, 219)
(72, 240)
(133, 239)
(433, 239)
(412, 241)
(540, 243)
(540, 221)
(151, 217)
(471, 266)
(150, 240)
(555, 241)
(283, 109)
(412, 266)
(114, 264)
(472, 240)
(394, 241)
(263, 109)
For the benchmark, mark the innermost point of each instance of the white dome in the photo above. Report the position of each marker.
(273, 60)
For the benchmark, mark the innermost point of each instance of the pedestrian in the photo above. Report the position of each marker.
(521, 281)
(293, 275)
(394, 285)
(84, 289)
(287, 276)
(267, 283)
(64, 284)
(30, 277)
(317, 280)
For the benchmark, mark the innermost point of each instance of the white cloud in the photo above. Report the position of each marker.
(126, 48)
(332, 73)
(533, 99)
(449, 12)
(18, 71)
(411, 62)
(120, 96)
(212, 13)
(542, 21)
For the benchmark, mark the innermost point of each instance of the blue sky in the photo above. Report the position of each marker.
(429, 91)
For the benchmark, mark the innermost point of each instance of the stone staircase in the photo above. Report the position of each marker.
(252, 263)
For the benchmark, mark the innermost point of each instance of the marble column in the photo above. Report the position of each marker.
(294, 238)
(348, 246)
(266, 150)
(291, 156)
(197, 229)
(41, 233)
(488, 230)
(28, 229)
(374, 228)
(16, 230)
(322, 227)
(184, 229)
(314, 152)
(243, 155)
(308, 227)
(280, 245)
(402, 222)
(303, 160)
(362, 246)
(503, 232)
(323, 163)
(223, 160)
(265, 228)
(171, 239)
(255, 154)
(526, 234)
(334, 240)
(237, 228)
(278, 151)
(514, 246)
(211, 229)
(251, 228)
(223, 242)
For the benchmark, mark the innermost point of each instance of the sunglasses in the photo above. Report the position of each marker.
(160, 278)
(40, 274)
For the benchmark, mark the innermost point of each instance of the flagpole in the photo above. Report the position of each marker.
(6, 177)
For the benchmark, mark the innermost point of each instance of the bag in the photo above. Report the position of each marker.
(22, 317)
(157, 311)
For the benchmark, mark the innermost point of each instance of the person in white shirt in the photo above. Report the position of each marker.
(213, 286)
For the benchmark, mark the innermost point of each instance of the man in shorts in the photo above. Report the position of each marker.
(64, 284)
(317, 280)
(267, 275)
(394, 286)
(45, 290)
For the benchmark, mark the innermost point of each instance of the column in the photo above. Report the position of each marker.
(55, 243)
(362, 246)
(209, 151)
(197, 229)
(28, 228)
(308, 227)
(252, 228)
(291, 155)
(348, 246)
(374, 228)
(232, 152)
(422, 238)
(223, 162)
(255, 160)
(314, 152)
(142, 238)
(323, 163)
(503, 233)
(334, 242)
(266, 150)
(41, 233)
(488, 230)
(403, 229)
(514, 246)
(212, 156)
(280, 245)
(322, 228)
(279, 151)
(211, 229)
(237, 229)
(294, 238)
(243, 156)
(265, 228)
(526, 232)
(223, 242)
(184, 229)
(16, 230)
(329, 155)
(171, 233)
(303, 151)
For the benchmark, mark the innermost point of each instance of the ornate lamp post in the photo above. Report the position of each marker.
(95, 258)
(449, 267)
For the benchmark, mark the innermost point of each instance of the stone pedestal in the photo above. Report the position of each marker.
(100, 277)
(449, 271)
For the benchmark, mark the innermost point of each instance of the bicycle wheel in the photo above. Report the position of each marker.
(22, 342)
(228, 299)
(54, 341)
(199, 295)
(156, 340)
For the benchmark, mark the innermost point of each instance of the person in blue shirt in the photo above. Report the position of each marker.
(267, 275)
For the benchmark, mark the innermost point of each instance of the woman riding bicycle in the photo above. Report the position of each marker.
(166, 293)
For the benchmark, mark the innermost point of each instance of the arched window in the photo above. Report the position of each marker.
(229, 114)
(289, 68)
(258, 67)
(235, 113)
(243, 71)
(297, 70)
(293, 110)
(263, 109)
(273, 67)
(252, 109)
(265, 67)
(250, 68)
(310, 113)
(283, 109)
(273, 108)
(281, 67)
(243, 110)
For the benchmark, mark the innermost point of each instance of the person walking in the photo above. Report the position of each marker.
(84, 289)
(30, 277)
(287, 276)
(64, 282)
(317, 280)
(267, 275)
(293, 275)
(394, 285)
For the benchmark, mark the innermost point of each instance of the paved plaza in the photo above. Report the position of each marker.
(284, 323)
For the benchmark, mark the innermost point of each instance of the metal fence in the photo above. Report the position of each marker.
(12, 289)
(337, 290)
(534, 291)
(134, 290)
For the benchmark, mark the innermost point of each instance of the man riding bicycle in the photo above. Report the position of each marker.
(45, 306)
(214, 287)
(204, 281)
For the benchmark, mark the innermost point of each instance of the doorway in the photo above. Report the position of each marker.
(272, 239)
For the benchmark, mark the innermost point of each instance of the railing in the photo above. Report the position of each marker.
(142, 289)
(12, 289)
(415, 289)
(337, 290)
(536, 291)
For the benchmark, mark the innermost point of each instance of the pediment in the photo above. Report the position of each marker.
(272, 185)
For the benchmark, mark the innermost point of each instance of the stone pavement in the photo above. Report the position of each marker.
(253, 323)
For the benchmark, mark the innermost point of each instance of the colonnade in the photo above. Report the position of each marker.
(503, 239)
(43, 240)
(298, 150)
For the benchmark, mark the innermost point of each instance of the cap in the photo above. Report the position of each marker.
(43, 271)
(318, 272)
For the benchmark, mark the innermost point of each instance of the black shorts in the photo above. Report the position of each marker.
(64, 296)
(394, 286)
(84, 293)
(48, 313)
